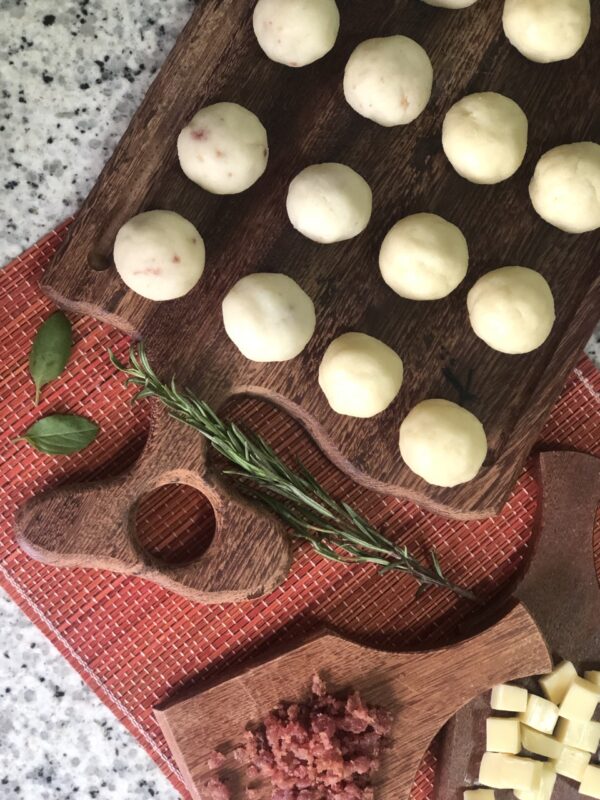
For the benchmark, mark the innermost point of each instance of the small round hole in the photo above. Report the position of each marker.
(175, 523)
(99, 261)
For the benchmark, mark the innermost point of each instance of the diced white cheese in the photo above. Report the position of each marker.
(582, 735)
(572, 763)
(508, 698)
(546, 786)
(479, 794)
(542, 744)
(504, 771)
(590, 783)
(580, 701)
(503, 735)
(540, 714)
(555, 684)
(593, 676)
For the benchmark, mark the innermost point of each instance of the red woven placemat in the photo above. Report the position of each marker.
(135, 643)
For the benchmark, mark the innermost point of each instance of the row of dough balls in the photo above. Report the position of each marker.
(299, 32)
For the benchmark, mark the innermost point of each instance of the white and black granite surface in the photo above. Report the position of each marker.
(71, 74)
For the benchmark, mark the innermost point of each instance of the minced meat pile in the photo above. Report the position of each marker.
(324, 749)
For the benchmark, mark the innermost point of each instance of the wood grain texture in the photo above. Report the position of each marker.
(217, 58)
(421, 689)
(93, 526)
(560, 588)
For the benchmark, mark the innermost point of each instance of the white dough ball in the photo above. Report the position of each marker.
(159, 255)
(296, 32)
(268, 317)
(484, 136)
(359, 375)
(450, 3)
(511, 309)
(565, 188)
(423, 257)
(224, 148)
(546, 30)
(388, 80)
(329, 203)
(442, 442)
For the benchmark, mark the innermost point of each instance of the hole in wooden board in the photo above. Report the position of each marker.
(175, 523)
(99, 261)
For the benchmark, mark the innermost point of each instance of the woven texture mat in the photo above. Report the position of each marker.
(134, 643)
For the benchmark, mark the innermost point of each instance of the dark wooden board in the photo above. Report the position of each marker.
(421, 689)
(560, 589)
(217, 58)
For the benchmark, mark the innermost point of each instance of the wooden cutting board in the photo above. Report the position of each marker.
(217, 58)
(421, 689)
(560, 588)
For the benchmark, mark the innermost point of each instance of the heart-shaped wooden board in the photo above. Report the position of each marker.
(421, 689)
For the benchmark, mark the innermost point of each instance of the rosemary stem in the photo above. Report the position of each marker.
(334, 529)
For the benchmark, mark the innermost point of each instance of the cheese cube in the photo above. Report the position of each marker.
(593, 676)
(508, 698)
(503, 735)
(546, 786)
(555, 684)
(590, 783)
(540, 714)
(479, 794)
(580, 701)
(540, 743)
(572, 763)
(503, 771)
(582, 735)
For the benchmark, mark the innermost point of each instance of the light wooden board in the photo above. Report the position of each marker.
(421, 689)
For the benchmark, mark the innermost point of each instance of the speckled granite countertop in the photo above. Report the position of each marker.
(75, 72)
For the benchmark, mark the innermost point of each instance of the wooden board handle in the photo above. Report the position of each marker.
(94, 526)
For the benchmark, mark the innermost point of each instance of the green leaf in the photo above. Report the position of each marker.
(50, 351)
(61, 434)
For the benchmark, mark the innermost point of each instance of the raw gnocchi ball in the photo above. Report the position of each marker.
(388, 80)
(224, 148)
(159, 255)
(442, 442)
(565, 188)
(511, 309)
(484, 136)
(450, 3)
(423, 257)
(359, 375)
(329, 203)
(296, 32)
(546, 30)
(268, 317)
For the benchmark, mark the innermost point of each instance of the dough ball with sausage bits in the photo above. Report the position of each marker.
(565, 188)
(224, 148)
(484, 136)
(388, 80)
(268, 317)
(546, 30)
(329, 203)
(423, 257)
(442, 442)
(511, 309)
(450, 3)
(159, 255)
(359, 375)
(296, 32)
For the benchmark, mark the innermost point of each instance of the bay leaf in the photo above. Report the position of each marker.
(50, 351)
(61, 434)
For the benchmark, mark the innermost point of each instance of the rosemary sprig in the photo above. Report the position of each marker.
(333, 528)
